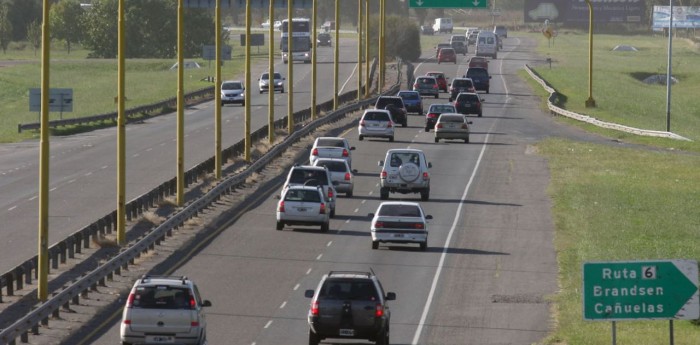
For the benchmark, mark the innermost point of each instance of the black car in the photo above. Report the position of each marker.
(349, 305)
(323, 39)
(480, 76)
(468, 103)
(460, 85)
(395, 106)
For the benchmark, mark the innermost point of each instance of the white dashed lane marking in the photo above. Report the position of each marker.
(12, 208)
(296, 287)
(319, 256)
(268, 324)
(329, 243)
(308, 271)
(283, 304)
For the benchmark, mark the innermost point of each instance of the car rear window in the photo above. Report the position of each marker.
(442, 109)
(330, 143)
(409, 95)
(467, 97)
(435, 74)
(461, 83)
(301, 176)
(353, 290)
(399, 158)
(161, 297)
(376, 116)
(451, 118)
(333, 166)
(447, 51)
(479, 72)
(382, 102)
(302, 195)
(399, 211)
(426, 81)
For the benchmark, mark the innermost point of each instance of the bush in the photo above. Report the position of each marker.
(402, 38)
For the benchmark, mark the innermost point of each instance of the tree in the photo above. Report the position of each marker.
(5, 27)
(34, 35)
(66, 19)
(21, 13)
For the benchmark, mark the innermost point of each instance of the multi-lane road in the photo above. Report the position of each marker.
(490, 265)
(83, 166)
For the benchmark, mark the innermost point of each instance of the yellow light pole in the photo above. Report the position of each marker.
(271, 73)
(180, 105)
(246, 98)
(359, 49)
(290, 68)
(121, 130)
(43, 255)
(337, 50)
(217, 95)
(590, 102)
(367, 86)
(313, 60)
(380, 75)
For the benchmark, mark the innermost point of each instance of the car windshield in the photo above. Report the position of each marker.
(266, 76)
(442, 109)
(161, 297)
(302, 176)
(409, 95)
(399, 158)
(333, 166)
(352, 290)
(399, 211)
(231, 86)
(376, 116)
(302, 195)
(330, 142)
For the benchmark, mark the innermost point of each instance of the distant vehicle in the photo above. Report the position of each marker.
(349, 305)
(395, 107)
(412, 100)
(486, 44)
(460, 47)
(377, 124)
(434, 112)
(323, 39)
(452, 126)
(501, 30)
(479, 61)
(427, 30)
(460, 85)
(232, 92)
(277, 82)
(307, 175)
(440, 46)
(303, 205)
(404, 171)
(301, 40)
(341, 174)
(442, 25)
(427, 85)
(441, 79)
(328, 25)
(458, 38)
(447, 55)
(471, 39)
(399, 222)
(468, 103)
(480, 76)
(331, 147)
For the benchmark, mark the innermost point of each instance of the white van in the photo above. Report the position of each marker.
(442, 25)
(486, 44)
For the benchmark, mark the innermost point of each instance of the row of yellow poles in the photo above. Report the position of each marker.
(43, 259)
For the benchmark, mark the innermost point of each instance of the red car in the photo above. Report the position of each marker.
(447, 55)
(479, 61)
(441, 79)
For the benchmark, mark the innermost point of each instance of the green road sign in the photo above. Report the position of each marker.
(629, 290)
(448, 3)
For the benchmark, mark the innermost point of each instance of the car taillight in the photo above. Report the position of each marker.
(362, 123)
(478, 105)
(280, 208)
(379, 312)
(194, 323)
(378, 225)
(130, 300)
(389, 125)
(314, 152)
(347, 176)
(415, 85)
(322, 210)
(426, 175)
(464, 126)
(330, 193)
(435, 86)
(432, 115)
(193, 304)
(345, 153)
(439, 125)
(418, 226)
(314, 308)
(127, 322)
(383, 174)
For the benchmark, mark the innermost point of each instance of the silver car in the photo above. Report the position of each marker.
(341, 174)
(376, 123)
(277, 83)
(404, 171)
(331, 147)
(164, 310)
(232, 91)
(399, 222)
(303, 205)
(452, 126)
(427, 86)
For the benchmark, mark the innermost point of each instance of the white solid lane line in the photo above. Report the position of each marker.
(348, 80)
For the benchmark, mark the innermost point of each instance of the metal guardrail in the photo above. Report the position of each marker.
(73, 244)
(584, 118)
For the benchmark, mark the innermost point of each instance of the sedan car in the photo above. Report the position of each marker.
(468, 103)
(302, 205)
(412, 101)
(376, 123)
(277, 82)
(341, 174)
(232, 92)
(331, 147)
(434, 113)
(427, 86)
(441, 79)
(399, 222)
(447, 55)
(452, 126)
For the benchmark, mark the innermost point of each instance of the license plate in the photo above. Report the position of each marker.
(398, 235)
(393, 177)
(160, 339)
(301, 209)
(347, 332)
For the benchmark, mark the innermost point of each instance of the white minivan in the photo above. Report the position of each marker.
(442, 25)
(486, 44)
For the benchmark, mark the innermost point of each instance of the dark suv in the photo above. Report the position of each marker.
(460, 85)
(480, 76)
(468, 103)
(395, 106)
(351, 305)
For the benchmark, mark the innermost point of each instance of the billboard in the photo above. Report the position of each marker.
(683, 17)
(576, 11)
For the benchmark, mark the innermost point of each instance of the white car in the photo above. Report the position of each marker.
(376, 123)
(232, 91)
(341, 174)
(404, 171)
(303, 205)
(277, 82)
(331, 147)
(308, 175)
(399, 222)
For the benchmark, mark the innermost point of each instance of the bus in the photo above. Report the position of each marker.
(301, 40)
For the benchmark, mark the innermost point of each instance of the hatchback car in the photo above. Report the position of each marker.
(331, 147)
(452, 126)
(427, 86)
(232, 91)
(480, 76)
(434, 112)
(164, 309)
(468, 103)
(349, 305)
(303, 205)
(441, 79)
(479, 61)
(395, 106)
(277, 83)
(399, 222)
(404, 171)
(460, 85)
(412, 101)
(307, 175)
(376, 123)
(341, 174)
(447, 55)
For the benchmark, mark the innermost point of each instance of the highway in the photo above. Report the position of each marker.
(490, 264)
(83, 166)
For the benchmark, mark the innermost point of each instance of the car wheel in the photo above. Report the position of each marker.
(425, 194)
(438, 62)
(361, 138)
(383, 338)
(405, 123)
(332, 213)
(391, 139)
(383, 193)
(280, 225)
(427, 129)
(479, 114)
(349, 194)
(487, 90)
(437, 140)
(324, 227)
(424, 245)
(437, 96)
(375, 245)
(314, 338)
(449, 99)
(466, 141)
(261, 91)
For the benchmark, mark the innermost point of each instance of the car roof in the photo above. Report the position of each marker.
(407, 203)
(308, 167)
(441, 105)
(147, 280)
(349, 274)
(330, 138)
(407, 91)
(446, 49)
(427, 76)
(377, 111)
(302, 187)
(388, 97)
(451, 115)
(404, 150)
(232, 81)
(435, 72)
(340, 160)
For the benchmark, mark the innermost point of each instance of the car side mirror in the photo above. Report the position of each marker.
(284, 79)
(352, 148)
(371, 215)
(309, 293)
(489, 77)
(390, 296)
(380, 163)
(206, 303)
(354, 171)
(430, 165)
(483, 99)
(469, 122)
(429, 217)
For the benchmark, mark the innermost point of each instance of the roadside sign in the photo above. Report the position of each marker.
(255, 40)
(650, 290)
(278, 3)
(209, 52)
(60, 100)
(207, 3)
(448, 4)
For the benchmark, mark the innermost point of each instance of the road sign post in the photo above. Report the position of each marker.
(448, 4)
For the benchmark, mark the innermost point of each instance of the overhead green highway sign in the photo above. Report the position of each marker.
(630, 290)
(448, 3)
